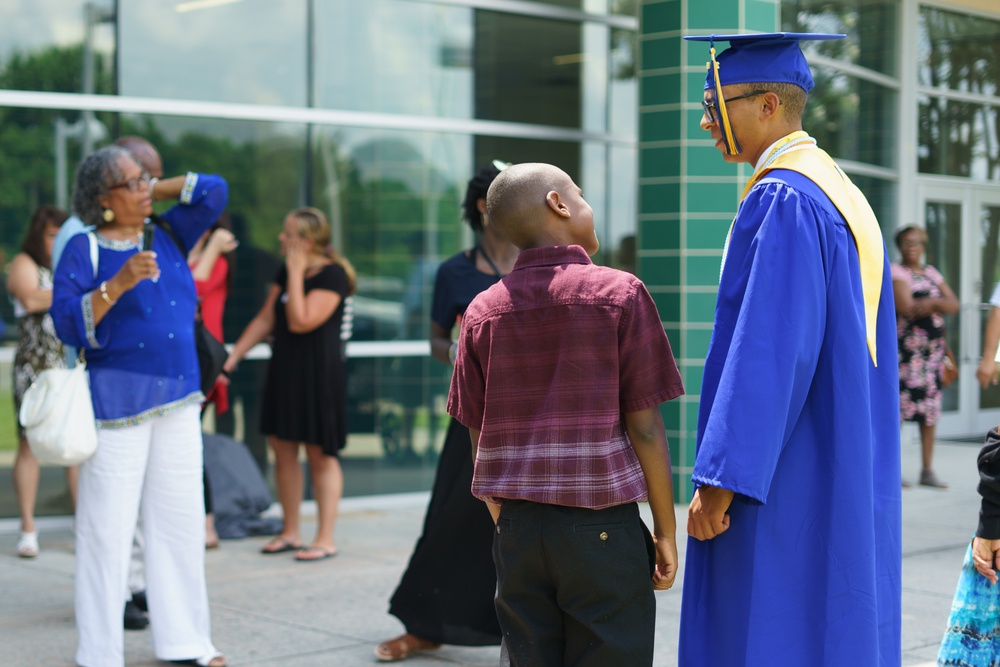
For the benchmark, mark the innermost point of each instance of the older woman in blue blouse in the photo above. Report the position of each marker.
(133, 315)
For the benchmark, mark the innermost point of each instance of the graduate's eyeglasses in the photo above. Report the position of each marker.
(137, 184)
(709, 105)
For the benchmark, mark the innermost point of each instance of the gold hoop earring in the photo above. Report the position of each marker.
(108, 215)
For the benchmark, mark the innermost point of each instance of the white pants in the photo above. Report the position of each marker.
(136, 566)
(158, 462)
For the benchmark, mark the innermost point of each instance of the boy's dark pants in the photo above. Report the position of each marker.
(574, 586)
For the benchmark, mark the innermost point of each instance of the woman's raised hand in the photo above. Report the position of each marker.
(296, 255)
(223, 240)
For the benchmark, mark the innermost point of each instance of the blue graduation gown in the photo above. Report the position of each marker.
(804, 428)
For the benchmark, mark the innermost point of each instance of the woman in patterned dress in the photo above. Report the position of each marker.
(29, 283)
(922, 298)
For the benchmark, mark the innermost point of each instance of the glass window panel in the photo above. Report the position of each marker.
(618, 7)
(958, 138)
(528, 70)
(439, 60)
(943, 221)
(851, 118)
(393, 200)
(881, 195)
(619, 241)
(989, 239)
(623, 115)
(251, 52)
(394, 57)
(958, 52)
(870, 26)
(43, 45)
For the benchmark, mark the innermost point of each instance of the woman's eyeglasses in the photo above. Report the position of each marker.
(709, 106)
(137, 184)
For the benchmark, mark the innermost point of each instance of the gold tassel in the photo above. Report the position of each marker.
(728, 138)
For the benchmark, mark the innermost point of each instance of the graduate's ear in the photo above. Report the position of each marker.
(557, 205)
(771, 102)
(481, 205)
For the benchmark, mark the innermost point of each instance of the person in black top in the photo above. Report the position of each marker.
(446, 593)
(986, 544)
(304, 395)
(973, 624)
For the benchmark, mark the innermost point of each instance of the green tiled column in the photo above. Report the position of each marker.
(687, 194)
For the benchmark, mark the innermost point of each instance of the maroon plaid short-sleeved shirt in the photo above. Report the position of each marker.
(548, 360)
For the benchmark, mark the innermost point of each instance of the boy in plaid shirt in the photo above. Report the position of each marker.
(560, 370)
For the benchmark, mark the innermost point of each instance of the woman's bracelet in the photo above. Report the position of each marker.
(152, 184)
(104, 294)
(452, 352)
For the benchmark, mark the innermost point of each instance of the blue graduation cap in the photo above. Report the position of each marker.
(754, 58)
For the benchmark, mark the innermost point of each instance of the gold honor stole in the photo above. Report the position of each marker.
(814, 163)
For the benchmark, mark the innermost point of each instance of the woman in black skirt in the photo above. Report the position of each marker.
(446, 593)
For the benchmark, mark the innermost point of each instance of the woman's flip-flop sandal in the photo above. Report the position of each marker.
(401, 647)
(279, 545)
(309, 554)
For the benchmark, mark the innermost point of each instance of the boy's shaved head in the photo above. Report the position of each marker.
(516, 201)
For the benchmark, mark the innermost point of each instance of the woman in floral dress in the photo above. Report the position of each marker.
(922, 298)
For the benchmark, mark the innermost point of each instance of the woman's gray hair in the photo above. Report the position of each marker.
(94, 177)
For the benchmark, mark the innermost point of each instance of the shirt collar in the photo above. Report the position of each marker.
(552, 255)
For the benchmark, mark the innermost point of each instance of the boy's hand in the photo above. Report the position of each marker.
(666, 563)
(707, 516)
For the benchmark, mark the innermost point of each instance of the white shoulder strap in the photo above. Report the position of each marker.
(93, 251)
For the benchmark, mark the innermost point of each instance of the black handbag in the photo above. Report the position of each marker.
(212, 355)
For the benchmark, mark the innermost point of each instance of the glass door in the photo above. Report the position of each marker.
(987, 219)
(944, 213)
(963, 229)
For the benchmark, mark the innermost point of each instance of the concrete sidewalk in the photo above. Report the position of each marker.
(270, 610)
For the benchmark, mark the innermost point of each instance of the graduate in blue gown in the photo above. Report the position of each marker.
(794, 554)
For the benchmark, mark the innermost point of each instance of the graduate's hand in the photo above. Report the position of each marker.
(985, 557)
(666, 562)
(707, 515)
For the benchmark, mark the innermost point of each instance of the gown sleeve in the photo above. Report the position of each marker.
(771, 312)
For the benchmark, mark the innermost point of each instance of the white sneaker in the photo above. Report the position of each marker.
(27, 545)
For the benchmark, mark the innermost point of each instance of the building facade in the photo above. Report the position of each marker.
(909, 104)
(378, 112)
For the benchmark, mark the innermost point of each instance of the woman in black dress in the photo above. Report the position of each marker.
(304, 394)
(446, 593)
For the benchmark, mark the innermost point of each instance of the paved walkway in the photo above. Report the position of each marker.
(269, 610)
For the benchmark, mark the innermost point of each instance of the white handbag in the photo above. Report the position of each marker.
(58, 416)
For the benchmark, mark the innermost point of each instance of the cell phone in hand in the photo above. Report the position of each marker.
(148, 234)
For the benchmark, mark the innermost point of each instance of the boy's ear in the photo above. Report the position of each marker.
(557, 205)
(481, 205)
